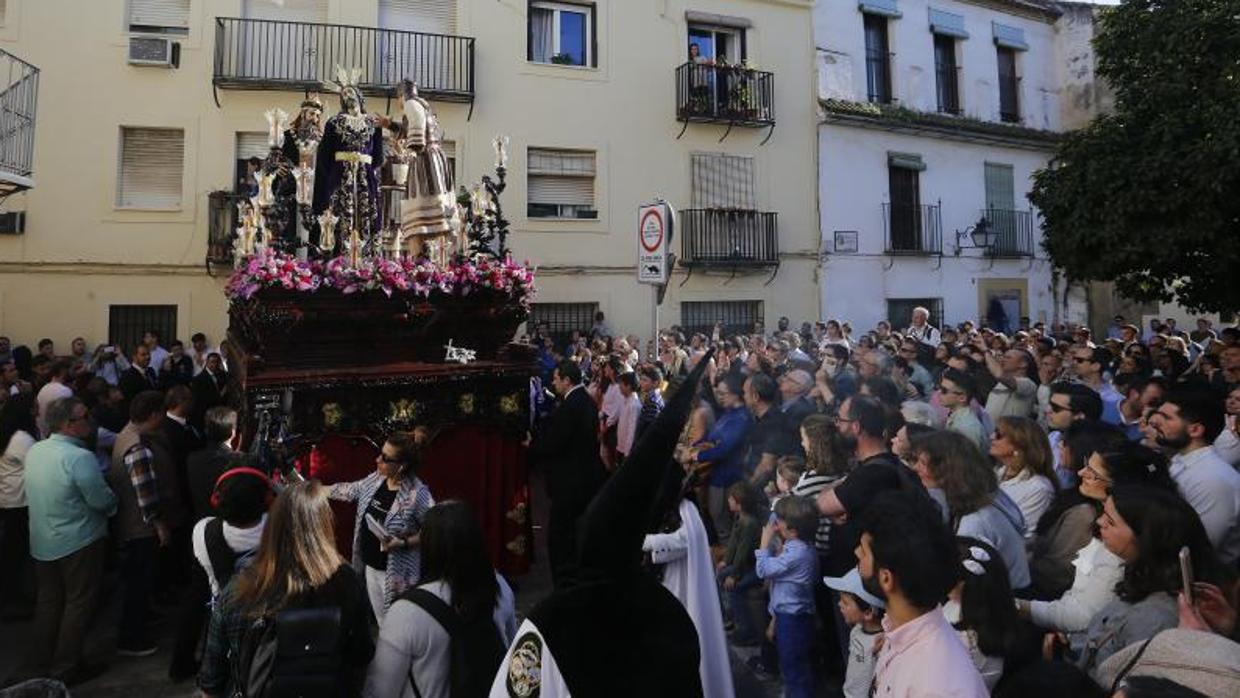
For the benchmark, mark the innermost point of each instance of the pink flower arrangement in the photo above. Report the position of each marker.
(273, 269)
(417, 277)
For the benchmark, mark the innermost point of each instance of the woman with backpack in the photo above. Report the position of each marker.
(391, 502)
(447, 637)
(295, 621)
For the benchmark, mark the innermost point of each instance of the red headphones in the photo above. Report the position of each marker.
(215, 494)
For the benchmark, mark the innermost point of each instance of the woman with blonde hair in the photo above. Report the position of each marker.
(1026, 468)
(300, 587)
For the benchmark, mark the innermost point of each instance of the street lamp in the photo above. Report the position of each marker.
(981, 234)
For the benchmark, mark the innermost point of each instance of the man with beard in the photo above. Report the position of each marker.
(1187, 423)
(907, 556)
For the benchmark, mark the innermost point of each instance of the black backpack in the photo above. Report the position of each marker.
(294, 653)
(224, 560)
(475, 648)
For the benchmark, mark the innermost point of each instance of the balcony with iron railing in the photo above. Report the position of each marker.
(259, 54)
(221, 227)
(726, 94)
(19, 96)
(1012, 231)
(913, 230)
(715, 237)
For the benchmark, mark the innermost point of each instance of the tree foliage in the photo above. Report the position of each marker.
(1148, 196)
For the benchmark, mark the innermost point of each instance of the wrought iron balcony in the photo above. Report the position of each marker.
(221, 227)
(259, 54)
(1013, 231)
(725, 94)
(729, 238)
(913, 230)
(19, 95)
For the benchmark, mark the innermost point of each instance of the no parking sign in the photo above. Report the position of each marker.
(655, 224)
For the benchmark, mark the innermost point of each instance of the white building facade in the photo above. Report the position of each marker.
(933, 118)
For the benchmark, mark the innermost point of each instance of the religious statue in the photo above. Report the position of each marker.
(301, 144)
(349, 158)
(429, 209)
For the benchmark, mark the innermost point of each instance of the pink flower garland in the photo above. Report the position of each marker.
(418, 277)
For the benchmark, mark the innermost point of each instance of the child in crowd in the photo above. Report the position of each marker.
(982, 609)
(787, 474)
(792, 572)
(735, 572)
(862, 611)
(630, 411)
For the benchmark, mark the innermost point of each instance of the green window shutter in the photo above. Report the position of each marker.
(1000, 187)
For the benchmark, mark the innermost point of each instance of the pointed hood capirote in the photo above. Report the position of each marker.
(615, 630)
(618, 519)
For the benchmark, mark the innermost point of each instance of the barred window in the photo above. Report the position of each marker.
(127, 324)
(562, 319)
(738, 317)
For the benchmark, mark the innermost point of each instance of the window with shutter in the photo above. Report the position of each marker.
(723, 181)
(286, 10)
(250, 144)
(560, 183)
(150, 168)
(171, 16)
(429, 16)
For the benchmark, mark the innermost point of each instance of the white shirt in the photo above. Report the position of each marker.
(53, 391)
(860, 672)
(612, 402)
(241, 540)
(1006, 402)
(1228, 445)
(1032, 493)
(13, 469)
(626, 423)
(1098, 570)
(1212, 487)
(926, 334)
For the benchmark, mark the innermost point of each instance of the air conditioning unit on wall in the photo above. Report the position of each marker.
(12, 222)
(155, 51)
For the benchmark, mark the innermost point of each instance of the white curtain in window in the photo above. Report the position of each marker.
(542, 29)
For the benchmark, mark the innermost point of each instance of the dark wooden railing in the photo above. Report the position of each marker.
(1013, 232)
(913, 230)
(728, 237)
(725, 94)
(259, 54)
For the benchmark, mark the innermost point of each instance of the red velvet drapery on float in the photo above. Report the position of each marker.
(475, 463)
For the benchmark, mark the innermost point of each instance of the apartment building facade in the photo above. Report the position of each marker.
(149, 109)
(934, 115)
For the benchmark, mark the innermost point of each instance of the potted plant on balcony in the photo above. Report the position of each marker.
(562, 59)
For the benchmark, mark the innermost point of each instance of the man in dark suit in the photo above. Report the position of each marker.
(140, 376)
(203, 468)
(567, 449)
(208, 388)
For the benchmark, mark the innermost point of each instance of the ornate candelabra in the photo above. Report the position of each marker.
(485, 224)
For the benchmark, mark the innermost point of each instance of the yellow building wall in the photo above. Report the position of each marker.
(80, 252)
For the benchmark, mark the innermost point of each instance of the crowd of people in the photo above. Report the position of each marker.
(120, 488)
(935, 510)
(914, 511)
